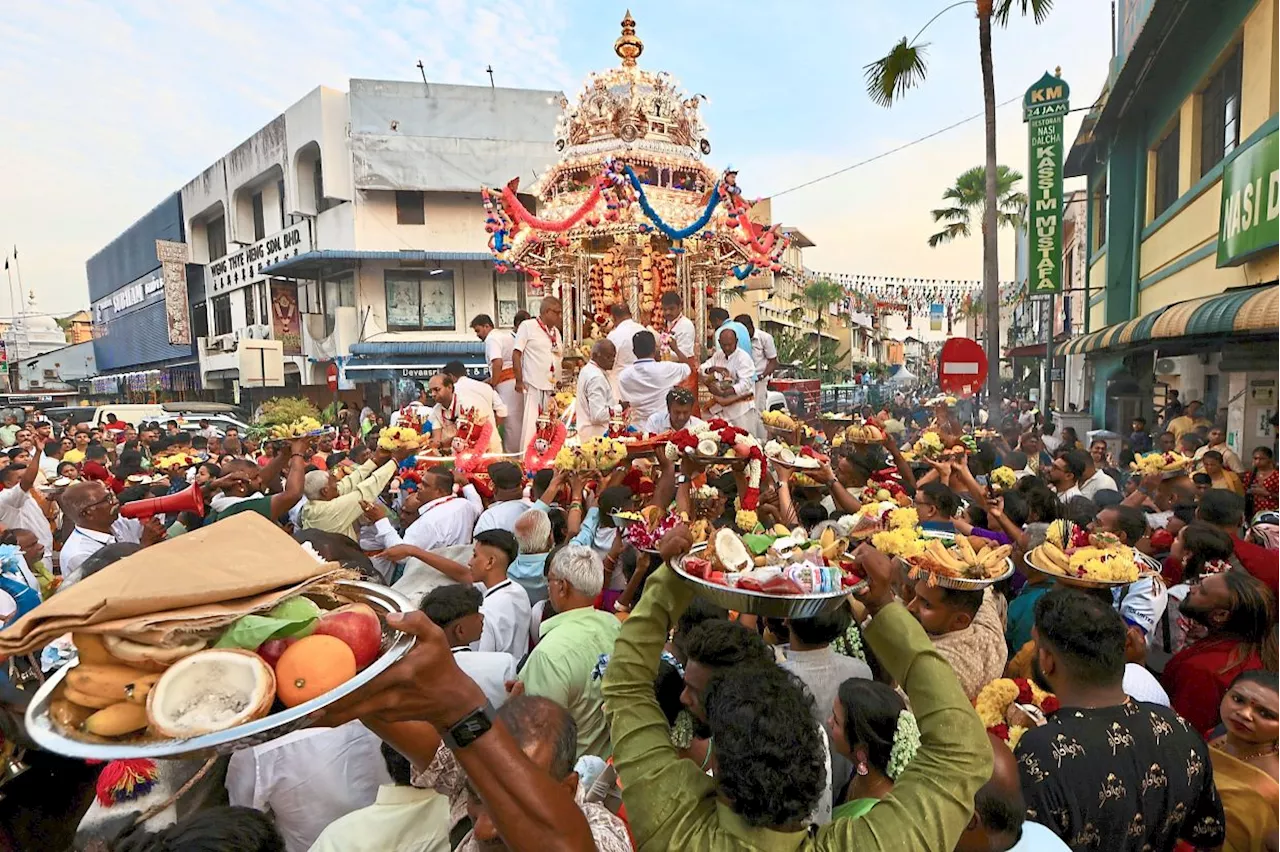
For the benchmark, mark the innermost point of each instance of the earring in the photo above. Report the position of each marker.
(862, 767)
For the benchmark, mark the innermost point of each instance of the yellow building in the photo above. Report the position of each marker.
(1184, 203)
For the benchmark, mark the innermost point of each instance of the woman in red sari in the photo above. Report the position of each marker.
(1262, 483)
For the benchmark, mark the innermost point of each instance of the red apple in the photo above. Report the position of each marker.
(358, 626)
(271, 650)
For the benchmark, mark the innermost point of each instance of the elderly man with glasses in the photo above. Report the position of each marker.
(94, 509)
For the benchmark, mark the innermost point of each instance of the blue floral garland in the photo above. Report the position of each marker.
(670, 232)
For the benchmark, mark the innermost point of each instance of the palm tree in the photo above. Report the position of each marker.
(904, 68)
(820, 295)
(970, 193)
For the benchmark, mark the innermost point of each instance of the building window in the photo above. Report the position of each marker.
(309, 301)
(420, 302)
(222, 314)
(199, 320)
(1099, 202)
(259, 217)
(410, 208)
(255, 305)
(340, 292)
(280, 194)
(1220, 113)
(215, 235)
(1166, 179)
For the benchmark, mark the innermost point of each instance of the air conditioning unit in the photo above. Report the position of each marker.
(253, 332)
(1166, 367)
(223, 343)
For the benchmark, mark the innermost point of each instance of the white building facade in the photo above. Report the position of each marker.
(350, 231)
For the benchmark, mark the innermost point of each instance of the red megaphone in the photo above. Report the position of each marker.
(191, 500)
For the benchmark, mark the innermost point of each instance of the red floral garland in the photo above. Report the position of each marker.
(535, 461)
(520, 214)
(476, 439)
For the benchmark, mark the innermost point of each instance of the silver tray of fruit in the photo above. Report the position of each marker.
(758, 603)
(185, 697)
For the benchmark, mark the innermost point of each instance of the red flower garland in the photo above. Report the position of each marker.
(476, 439)
(535, 461)
(521, 215)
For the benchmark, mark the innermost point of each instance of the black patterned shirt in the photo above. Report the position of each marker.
(1132, 777)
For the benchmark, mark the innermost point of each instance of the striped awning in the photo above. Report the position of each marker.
(1248, 311)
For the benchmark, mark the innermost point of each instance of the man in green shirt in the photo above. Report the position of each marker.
(334, 505)
(671, 803)
(562, 666)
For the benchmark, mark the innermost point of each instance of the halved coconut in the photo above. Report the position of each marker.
(729, 553)
(153, 658)
(211, 691)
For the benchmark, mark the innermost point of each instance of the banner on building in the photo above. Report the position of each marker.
(935, 317)
(1250, 220)
(173, 268)
(286, 319)
(1045, 105)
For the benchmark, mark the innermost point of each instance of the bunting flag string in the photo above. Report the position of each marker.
(906, 294)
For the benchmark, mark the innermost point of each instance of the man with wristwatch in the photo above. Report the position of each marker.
(425, 701)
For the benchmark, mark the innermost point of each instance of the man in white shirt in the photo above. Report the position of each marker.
(624, 331)
(730, 375)
(52, 455)
(469, 386)
(679, 328)
(676, 416)
(506, 607)
(1095, 481)
(19, 508)
(508, 498)
(403, 818)
(645, 383)
(419, 408)
(1218, 441)
(309, 778)
(456, 609)
(1066, 473)
(764, 355)
(96, 514)
(453, 399)
(443, 519)
(497, 354)
(595, 399)
(537, 358)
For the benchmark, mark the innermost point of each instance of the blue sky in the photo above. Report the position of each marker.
(112, 106)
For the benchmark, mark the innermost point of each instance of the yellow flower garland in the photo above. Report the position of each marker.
(993, 703)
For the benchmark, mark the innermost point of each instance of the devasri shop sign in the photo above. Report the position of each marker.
(1250, 220)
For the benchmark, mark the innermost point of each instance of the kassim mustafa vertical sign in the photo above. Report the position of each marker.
(1043, 109)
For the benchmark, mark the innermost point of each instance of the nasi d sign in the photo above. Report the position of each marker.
(1250, 219)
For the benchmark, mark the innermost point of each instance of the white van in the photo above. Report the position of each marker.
(187, 414)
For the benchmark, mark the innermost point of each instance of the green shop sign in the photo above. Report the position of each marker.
(1250, 203)
(1043, 108)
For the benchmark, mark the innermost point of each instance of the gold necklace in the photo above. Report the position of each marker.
(1246, 756)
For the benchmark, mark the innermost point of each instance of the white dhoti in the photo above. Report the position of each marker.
(762, 395)
(591, 430)
(534, 400)
(515, 416)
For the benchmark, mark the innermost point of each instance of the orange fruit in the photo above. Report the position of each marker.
(312, 666)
